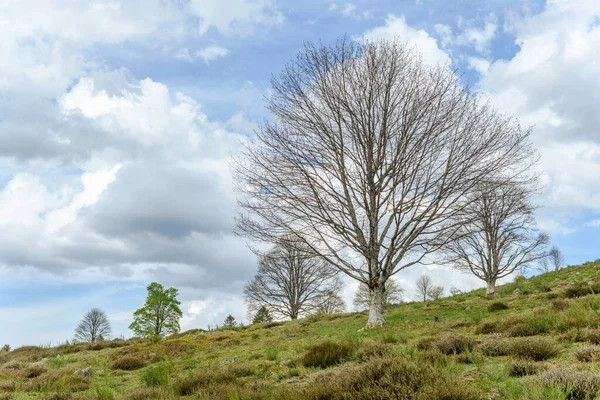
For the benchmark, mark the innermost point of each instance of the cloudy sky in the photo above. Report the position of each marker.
(118, 119)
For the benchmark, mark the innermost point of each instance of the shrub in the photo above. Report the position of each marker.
(35, 371)
(128, 363)
(449, 344)
(525, 348)
(587, 353)
(487, 327)
(382, 378)
(574, 384)
(522, 329)
(327, 354)
(497, 306)
(559, 305)
(156, 375)
(582, 289)
(520, 368)
(272, 353)
(589, 336)
(190, 384)
(372, 350)
(58, 381)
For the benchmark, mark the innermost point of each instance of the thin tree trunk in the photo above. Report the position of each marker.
(491, 287)
(376, 308)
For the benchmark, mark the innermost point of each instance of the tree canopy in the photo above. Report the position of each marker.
(160, 314)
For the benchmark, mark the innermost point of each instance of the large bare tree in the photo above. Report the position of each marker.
(290, 280)
(498, 235)
(367, 156)
(94, 326)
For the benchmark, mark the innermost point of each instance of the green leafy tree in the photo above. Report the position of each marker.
(160, 314)
(262, 315)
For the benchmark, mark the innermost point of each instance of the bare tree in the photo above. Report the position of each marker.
(556, 258)
(424, 286)
(289, 280)
(330, 302)
(392, 295)
(93, 326)
(435, 293)
(367, 158)
(498, 235)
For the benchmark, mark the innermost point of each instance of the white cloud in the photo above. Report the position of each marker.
(235, 16)
(478, 37)
(211, 53)
(396, 28)
(595, 223)
(551, 83)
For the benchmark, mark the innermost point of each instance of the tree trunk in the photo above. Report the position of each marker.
(376, 307)
(491, 287)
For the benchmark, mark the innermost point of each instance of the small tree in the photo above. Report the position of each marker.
(454, 291)
(392, 295)
(330, 302)
(556, 258)
(5, 348)
(435, 292)
(262, 315)
(230, 322)
(424, 286)
(290, 279)
(160, 314)
(497, 235)
(93, 326)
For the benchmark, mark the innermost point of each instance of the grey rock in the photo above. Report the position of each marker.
(86, 373)
(517, 291)
(285, 362)
(229, 360)
(293, 380)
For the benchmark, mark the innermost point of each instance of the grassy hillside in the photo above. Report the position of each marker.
(541, 343)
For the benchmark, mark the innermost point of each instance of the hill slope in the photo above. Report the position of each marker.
(538, 342)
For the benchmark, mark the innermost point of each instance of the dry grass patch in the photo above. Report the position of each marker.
(575, 385)
(587, 353)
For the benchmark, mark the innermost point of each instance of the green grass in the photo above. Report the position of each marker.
(541, 343)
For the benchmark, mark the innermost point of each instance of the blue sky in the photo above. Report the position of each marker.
(118, 119)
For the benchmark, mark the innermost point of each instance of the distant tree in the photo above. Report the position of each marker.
(556, 258)
(160, 314)
(289, 280)
(454, 291)
(497, 235)
(5, 348)
(262, 315)
(435, 293)
(424, 286)
(93, 326)
(392, 295)
(230, 322)
(330, 302)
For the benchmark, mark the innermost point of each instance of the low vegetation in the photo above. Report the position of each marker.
(536, 348)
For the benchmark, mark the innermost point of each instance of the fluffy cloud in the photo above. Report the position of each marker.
(211, 53)
(396, 28)
(551, 83)
(235, 16)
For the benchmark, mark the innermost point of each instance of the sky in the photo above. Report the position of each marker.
(118, 120)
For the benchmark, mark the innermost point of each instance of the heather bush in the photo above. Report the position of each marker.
(327, 354)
